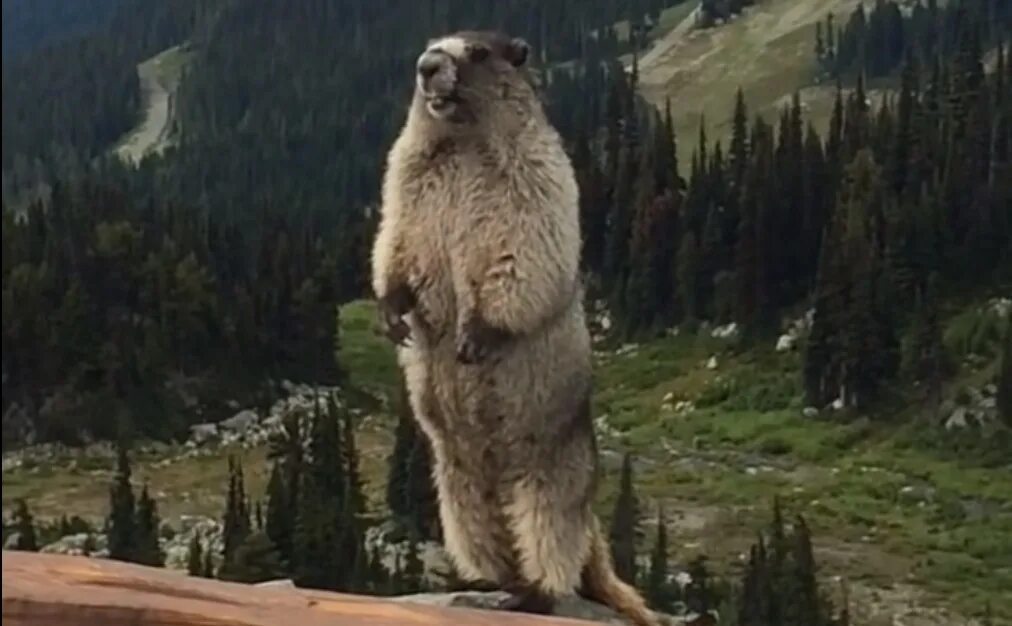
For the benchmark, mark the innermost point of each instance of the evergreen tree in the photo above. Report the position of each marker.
(412, 572)
(121, 522)
(410, 492)
(195, 557)
(280, 517)
(236, 520)
(739, 141)
(352, 550)
(688, 276)
(925, 357)
(208, 570)
(658, 589)
(147, 550)
(802, 606)
(698, 595)
(379, 578)
(254, 560)
(24, 527)
(623, 525)
(283, 487)
(323, 558)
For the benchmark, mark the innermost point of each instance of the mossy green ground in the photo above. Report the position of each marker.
(714, 470)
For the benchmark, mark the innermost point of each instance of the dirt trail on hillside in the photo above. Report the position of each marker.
(768, 51)
(157, 91)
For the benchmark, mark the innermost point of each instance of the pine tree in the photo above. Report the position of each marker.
(147, 550)
(352, 548)
(698, 596)
(280, 518)
(925, 357)
(236, 520)
(255, 560)
(379, 578)
(208, 569)
(322, 513)
(802, 608)
(25, 528)
(195, 557)
(739, 142)
(412, 573)
(688, 276)
(623, 525)
(283, 486)
(658, 589)
(121, 522)
(410, 493)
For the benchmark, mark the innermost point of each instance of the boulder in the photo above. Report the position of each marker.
(241, 422)
(786, 342)
(726, 331)
(203, 433)
(572, 606)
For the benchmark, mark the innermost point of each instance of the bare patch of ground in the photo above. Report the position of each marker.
(159, 76)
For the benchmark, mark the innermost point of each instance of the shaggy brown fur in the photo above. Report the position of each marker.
(475, 268)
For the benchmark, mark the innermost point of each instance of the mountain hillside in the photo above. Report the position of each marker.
(797, 248)
(768, 50)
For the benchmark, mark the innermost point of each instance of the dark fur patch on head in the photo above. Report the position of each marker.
(514, 50)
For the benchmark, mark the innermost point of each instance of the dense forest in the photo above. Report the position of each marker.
(874, 42)
(240, 242)
(867, 221)
(32, 24)
(65, 104)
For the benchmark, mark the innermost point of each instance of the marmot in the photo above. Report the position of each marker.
(476, 274)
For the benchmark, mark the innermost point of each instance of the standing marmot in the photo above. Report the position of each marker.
(475, 268)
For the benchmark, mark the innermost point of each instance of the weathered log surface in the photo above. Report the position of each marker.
(54, 590)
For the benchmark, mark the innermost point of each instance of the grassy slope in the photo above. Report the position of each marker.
(159, 77)
(769, 51)
(714, 470)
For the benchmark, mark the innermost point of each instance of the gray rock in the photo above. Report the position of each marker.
(957, 419)
(915, 494)
(241, 422)
(569, 606)
(727, 331)
(284, 583)
(810, 412)
(81, 544)
(202, 433)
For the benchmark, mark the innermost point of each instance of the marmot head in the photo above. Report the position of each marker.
(462, 78)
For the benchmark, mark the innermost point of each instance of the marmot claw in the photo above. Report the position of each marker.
(390, 311)
(476, 340)
(527, 601)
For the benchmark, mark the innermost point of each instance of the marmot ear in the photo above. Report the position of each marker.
(517, 51)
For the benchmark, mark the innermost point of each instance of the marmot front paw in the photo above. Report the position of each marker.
(390, 312)
(476, 340)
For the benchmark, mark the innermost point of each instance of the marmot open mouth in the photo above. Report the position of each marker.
(442, 103)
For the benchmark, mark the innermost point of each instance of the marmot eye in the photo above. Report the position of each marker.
(478, 54)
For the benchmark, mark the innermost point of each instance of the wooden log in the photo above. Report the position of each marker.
(56, 590)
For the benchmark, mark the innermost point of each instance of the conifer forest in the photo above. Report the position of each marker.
(800, 303)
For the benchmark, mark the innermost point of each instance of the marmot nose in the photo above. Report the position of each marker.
(428, 65)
